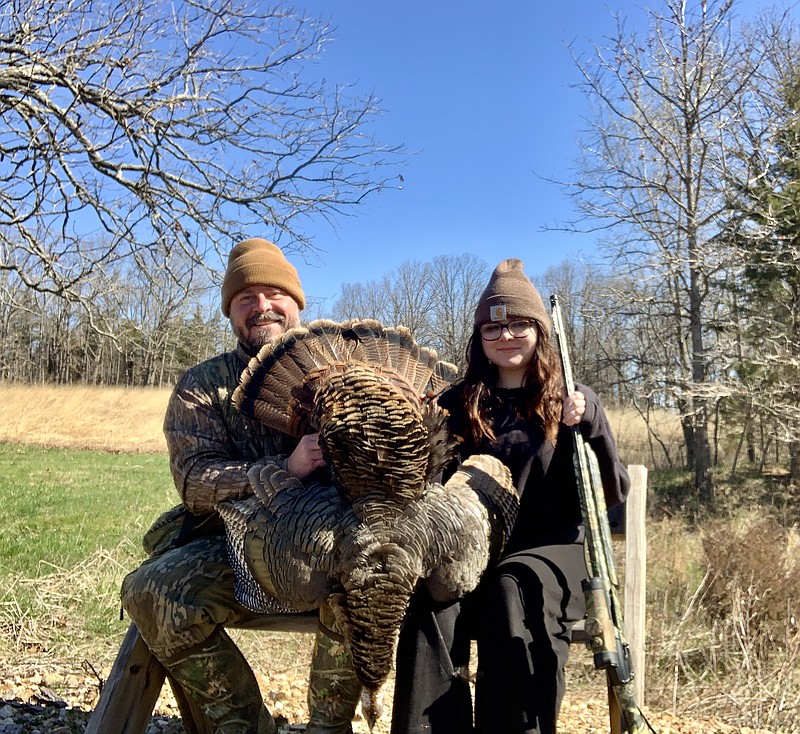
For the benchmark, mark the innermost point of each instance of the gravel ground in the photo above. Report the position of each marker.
(40, 697)
(41, 693)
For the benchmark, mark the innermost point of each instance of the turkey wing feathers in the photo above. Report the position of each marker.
(469, 521)
(286, 539)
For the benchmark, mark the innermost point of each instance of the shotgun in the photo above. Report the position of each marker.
(604, 612)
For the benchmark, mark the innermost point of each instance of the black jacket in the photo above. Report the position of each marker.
(543, 474)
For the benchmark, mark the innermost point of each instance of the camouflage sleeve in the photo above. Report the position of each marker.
(202, 453)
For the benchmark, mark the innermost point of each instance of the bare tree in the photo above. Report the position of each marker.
(408, 299)
(667, 113)
(435, 300)
(598, 327)
(136, 128)
(362, 301)
(11, 335)
(397, 299)
(457, 282)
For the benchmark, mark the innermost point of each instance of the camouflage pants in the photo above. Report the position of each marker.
(180, 600)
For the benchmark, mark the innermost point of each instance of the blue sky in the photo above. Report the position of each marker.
(481, 94)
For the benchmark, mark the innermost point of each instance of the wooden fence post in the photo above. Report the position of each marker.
(636, 575)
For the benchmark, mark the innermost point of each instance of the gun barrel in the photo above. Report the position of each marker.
(604, 621)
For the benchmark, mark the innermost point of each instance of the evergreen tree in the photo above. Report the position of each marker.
(767, 289)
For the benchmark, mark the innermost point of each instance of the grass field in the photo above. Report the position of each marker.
(61, 505)
(105, 419)
(71, 522)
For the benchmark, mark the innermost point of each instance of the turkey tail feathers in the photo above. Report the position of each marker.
(274, 385)
(279, 384)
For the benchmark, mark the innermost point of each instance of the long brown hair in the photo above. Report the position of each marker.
(541, 387)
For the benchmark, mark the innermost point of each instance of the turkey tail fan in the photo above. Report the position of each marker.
(371, 335)
(279, 385)
(266, 387)
(328, 338)
(269, 383)
(433, 374)
(395, 351)
(404, 355)
(273, 387)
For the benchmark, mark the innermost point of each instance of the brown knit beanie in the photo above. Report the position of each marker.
(510, 293)
(259, 262)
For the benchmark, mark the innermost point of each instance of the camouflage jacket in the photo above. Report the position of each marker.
(211, 444)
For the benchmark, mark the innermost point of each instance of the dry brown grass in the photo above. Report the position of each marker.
(129, 419)
(723, 634)
(93, 418)
(639, 444)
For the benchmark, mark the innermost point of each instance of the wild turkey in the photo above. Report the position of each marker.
(366, 537)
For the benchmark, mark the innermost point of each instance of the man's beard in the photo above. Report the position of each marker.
(253, 340)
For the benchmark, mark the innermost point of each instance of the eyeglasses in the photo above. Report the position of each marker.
(518, 329)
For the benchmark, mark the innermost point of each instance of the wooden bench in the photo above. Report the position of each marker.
(129, 695)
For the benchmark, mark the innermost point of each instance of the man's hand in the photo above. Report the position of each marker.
(306, 457)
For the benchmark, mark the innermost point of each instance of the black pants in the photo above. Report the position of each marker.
(520, 615)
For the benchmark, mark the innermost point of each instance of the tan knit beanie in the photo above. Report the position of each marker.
(259, 262)
(510, 293)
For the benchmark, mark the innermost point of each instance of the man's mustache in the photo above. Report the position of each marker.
(266, 317)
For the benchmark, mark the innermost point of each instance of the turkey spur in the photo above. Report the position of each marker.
(379, 523)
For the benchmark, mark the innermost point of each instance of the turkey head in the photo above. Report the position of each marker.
(382, 524)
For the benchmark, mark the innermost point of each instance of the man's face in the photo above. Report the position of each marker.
(261, 313)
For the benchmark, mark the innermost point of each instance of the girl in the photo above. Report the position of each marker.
(511, 403)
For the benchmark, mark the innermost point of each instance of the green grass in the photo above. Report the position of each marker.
(57, 506)
(72, 523)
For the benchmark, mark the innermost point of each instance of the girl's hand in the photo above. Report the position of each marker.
(574, 407)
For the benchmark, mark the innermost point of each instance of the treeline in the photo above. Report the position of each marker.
(129, 332)
(142, 331)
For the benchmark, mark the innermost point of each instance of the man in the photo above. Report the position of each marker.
(182, 597)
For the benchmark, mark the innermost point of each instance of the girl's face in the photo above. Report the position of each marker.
(512, 351)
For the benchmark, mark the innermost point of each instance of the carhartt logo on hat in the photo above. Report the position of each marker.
(259, 262)
(498, 312)
(510, 293)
